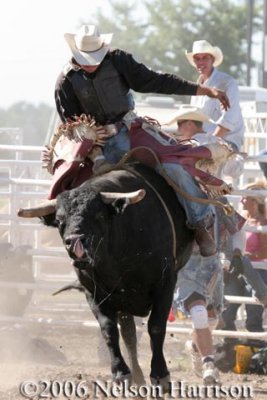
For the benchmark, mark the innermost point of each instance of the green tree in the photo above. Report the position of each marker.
(129, 32)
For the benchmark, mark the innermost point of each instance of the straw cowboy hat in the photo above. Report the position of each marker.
(259, 184)
(203, 46)
(88, 46)
(191, 113)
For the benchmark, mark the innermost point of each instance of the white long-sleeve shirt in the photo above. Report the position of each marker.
(232, 118)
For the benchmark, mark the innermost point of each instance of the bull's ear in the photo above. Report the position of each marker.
(119, 205)
(120, 201)
(49, 220)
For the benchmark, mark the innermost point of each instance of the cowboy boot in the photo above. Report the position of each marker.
(204, 239)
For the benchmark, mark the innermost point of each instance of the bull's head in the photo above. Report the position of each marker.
(67, 213)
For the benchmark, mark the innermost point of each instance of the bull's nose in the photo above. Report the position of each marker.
(72, 239)
(74, 245)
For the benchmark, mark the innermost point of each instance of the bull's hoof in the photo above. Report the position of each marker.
(139, 379)
(163, 382)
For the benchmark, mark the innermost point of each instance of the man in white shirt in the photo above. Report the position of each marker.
(229, 124)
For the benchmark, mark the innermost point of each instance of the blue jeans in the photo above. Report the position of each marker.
(119, 144)
(237, 286)
(195, 212)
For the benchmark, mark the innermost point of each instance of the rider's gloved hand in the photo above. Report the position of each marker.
(47, 158)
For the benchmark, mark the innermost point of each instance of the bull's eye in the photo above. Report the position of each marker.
(60, 222)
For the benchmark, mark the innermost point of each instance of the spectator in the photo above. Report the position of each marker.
(228, 124)
(228, 127)
(255, 211)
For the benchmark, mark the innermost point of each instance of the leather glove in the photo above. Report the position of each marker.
(47, 158)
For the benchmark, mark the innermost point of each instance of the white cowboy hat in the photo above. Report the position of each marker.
(88, 46)
(203, 46)
(259, 184)
(190, 113)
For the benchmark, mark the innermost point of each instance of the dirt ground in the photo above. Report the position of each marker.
(74, 353)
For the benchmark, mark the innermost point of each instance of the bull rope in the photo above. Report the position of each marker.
(227, 208)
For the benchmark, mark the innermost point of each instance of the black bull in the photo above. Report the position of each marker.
(124, 257)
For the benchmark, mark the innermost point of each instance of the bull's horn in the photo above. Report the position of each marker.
(46, 208)
(132, 197)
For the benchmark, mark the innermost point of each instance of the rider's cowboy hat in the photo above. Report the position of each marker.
(190, 113)
(203, 46)
(88, 46)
